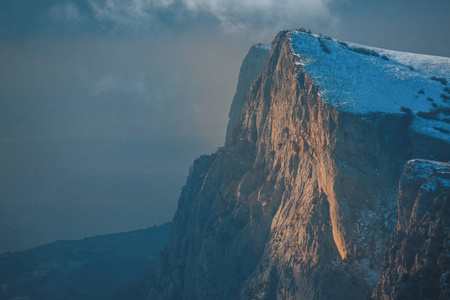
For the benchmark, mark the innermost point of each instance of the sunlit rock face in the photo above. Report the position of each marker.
(299, 203)
(417, 264)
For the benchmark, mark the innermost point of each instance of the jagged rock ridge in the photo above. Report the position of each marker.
(251, 67)
(417, 263)
(301, 200)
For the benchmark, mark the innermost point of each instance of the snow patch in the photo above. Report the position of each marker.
(262, 46)
(423, 169)
(362, 79)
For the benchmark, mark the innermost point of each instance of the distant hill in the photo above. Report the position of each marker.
(100, 267)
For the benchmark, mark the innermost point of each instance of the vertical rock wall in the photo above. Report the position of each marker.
(298, 204)
(251, 67)
(417, 263)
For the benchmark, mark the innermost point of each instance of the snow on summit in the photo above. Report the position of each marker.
(363, 79)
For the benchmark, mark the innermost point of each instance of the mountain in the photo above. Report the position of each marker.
(301, 201)
(102, 267)
(251, 67)
(417, 263)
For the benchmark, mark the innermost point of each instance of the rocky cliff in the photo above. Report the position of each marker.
(417, 264)
(302, 199)
(251, 67)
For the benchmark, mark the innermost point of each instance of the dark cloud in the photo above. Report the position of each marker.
(260, 19)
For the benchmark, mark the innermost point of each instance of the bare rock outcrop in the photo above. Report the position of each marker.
(298, 204)
(251, 67)
(417, 263)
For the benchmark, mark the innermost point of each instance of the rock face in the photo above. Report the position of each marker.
(251, 67)
(417, 264)
(298, 204)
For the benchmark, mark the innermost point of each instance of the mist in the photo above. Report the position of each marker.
(104, 104)
(98, 133)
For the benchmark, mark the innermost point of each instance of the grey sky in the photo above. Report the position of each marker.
(105, 103)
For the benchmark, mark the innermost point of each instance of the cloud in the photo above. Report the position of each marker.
(66, 13)
(255, 15)
(128, 13)
(234, 16)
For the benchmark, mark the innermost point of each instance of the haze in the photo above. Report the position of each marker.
(104, 105)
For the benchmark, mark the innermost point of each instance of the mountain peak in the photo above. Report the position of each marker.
(363, 79)
(301, 201)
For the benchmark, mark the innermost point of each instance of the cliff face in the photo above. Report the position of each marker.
(298, 204)
(417, 264)
(251, 67)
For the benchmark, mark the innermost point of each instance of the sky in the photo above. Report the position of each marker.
(104, 104)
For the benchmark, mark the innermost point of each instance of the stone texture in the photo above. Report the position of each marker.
(417, 263)
(251, 67)
(298, 204)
